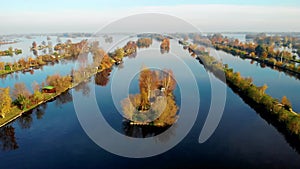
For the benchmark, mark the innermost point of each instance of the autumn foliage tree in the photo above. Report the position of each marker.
(165, 44)
(130, 48)
(167, 81)
(20, 89)
(285, 101)
(5, 104)
(145, 84)
(106, 62)
(155, 103)
(61, 83)
(144, 42)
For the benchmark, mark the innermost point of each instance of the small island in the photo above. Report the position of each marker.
(155, 104)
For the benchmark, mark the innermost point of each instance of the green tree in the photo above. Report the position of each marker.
(259, 50)
(38, 96)
(264, 55)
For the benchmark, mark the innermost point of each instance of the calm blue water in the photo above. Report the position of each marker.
(279, 83)
(53, 137)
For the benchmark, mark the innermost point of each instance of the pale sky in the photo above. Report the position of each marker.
(35, 16)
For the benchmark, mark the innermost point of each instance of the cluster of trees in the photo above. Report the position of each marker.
(130, 48)
(144, 42)
(105, 60)
(20, 97)
(155, 103)
(196, 50)
(23, 98)
(61, 83)
(281, 110)
(165, 45)
(151, 80)
(285, 41)
(22, 64)
(42, 46)
(70, 51)
(261, 50)
(262, 53)
(10, 52)
(282, 59)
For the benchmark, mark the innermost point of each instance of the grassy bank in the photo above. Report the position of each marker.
(271, 62)
(17, 112)
(284, 114)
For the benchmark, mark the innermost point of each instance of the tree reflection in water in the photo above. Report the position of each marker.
(84, 88)
(102, 78)
(35, 52)
(141, 131)
(64, 98)
(8, 139)
(40, 111)
(148, 131)
(163, 51)
(132, 55)
(25, 120)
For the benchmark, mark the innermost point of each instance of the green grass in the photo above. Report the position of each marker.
(16, 111)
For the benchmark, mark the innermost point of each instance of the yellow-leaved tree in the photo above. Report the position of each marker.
(5, 104)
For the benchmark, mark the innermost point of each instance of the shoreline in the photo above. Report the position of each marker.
(283, 116)
(285, 69)
(14, 115)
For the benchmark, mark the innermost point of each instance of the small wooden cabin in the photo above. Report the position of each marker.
(48, 89)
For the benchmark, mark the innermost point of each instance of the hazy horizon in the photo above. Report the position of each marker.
(208, 16)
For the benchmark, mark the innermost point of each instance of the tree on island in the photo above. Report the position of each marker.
(155, 103)
(34, 45)
(165, 45)
(144, 42)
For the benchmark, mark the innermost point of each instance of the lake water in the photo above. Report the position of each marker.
(279, 83)
(52, 137)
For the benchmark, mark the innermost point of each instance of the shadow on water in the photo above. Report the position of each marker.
(25, 120)
(148, 131)
(292, 140)
(7, 133)
(7, 138)
(83, 87)
(266, 65)
(141, 131)
(64, 98)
